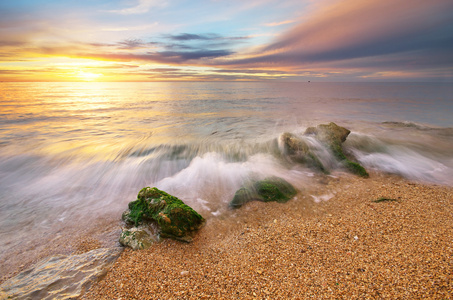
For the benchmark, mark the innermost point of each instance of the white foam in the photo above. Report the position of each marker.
(210, 181)
(408, 163)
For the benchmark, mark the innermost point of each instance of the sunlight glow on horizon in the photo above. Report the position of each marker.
(88, 76)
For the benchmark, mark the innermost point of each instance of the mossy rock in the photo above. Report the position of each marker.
(174, 218)
(333, 137)
(275, 189)
(329, 133)
(270, 189)
(244, 195)
(299, 151)
(293, 144)
(355, 168)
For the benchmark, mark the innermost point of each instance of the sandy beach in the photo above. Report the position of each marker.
(349, 246)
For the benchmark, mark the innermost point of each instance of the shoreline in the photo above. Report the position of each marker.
(347, 246)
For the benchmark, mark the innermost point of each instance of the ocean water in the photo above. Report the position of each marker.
(71, 153)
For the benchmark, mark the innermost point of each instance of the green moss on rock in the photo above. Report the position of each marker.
(242, 196)
(275, 189)
(269, 189)
(330, 133)
(333, 136)
(356, 168)
(299, 151)
(175, 219)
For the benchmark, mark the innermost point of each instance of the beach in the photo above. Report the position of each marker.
(353, 245)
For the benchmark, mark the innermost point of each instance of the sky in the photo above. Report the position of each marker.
(226, 40)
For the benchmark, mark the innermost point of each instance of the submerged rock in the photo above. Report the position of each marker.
(333, 136)
(174, 218)
(269, 189)
(299, 151)
(60, 277)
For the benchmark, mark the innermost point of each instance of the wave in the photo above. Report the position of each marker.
(44, 190)
(415, 160)
(443, 131)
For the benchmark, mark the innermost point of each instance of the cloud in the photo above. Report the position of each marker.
(169, 49)
(202, 37)
(351, 29)
(273, 24)
(205, 74)
(361, 38)
(134, 44)
(11, 43)
(127, 44)
(190, 55)
(143, 6)
(195, 46)
(191, 37)
(142, 27)
(164, 57)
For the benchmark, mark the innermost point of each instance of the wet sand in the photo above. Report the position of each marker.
(346, 247)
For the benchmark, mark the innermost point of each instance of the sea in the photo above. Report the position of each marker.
(74, 153)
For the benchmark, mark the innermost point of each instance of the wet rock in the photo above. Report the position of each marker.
(299, 151)
(244, 195)
(269, 189)
(60, 277)
(275, 189)
(293, 145)
(333, 136)
(137, 238)
(174, 218)
(355, 168)
(331, 133)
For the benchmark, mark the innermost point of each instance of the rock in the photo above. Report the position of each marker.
(333, 136)
(60, 277)
(175, 219)
(293, 145)
(269, 189)
(137, 238)
(329, 133)
(299, 151)
(275, 189)
(355, 168)
(244, 195)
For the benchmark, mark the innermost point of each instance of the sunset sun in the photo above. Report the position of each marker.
(88, 76)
